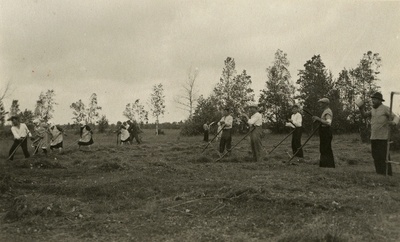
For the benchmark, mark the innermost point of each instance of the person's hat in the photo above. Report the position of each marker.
(82, 123)
(378, 96)
(14, 117)
(324, 100)
(36, 121)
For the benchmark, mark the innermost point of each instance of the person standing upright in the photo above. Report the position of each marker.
(20, 133)
(226, 137)
(325, 134)
(381, 120)
(255, 123)
(133, 131)
(206, 129)
(295, 122)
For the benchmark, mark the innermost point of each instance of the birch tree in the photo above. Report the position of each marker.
(93, 110)
(277, 97)
(157, 103)
(87, 113)
(44, 108)
(135, 111)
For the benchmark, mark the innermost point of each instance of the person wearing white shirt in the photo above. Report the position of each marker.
(295, 122)
(226, 137)
(20, 132)
(325, 134)
(255, 123)
(382, 119)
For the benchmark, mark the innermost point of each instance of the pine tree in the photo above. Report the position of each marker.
(2, 114)
(14, 110)
(103, 124)
(315, 82)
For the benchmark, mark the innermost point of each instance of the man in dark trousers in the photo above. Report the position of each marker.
(295, 122)
(255, 123)
(206, 129)
(21, 133)
(133, 131)
(381, 120)
(325, 134)
(226, 137)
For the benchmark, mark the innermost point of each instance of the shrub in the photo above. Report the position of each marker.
(190, 128)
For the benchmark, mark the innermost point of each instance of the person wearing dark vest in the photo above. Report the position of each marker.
(21, 133)
(226, 137)
(325, 134)
(381, 120)
(133, 131)
(295, 122)
(255, 123)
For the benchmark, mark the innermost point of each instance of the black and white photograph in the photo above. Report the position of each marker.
(199, 120)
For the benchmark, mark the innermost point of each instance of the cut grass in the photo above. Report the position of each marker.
(165, 190)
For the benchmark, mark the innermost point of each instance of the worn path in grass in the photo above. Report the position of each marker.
(165, 189)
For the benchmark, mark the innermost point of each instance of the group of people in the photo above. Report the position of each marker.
(50, 136)
(45, 135)
(127, 131)
(224, 132)
(381, 121)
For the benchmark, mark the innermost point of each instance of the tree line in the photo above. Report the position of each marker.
(281, 92)
(86, 112)
(234, 90)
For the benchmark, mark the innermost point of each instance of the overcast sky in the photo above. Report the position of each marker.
(120, 49)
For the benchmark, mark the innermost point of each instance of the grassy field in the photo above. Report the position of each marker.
(165, 190)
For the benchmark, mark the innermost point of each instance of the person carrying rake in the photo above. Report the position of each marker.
(41, 136)
(255, 123)
(226, 137)
(86, 135)
(381, 120)
(325, 134)
(57, 137)
(295, 122)
(21, 133)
